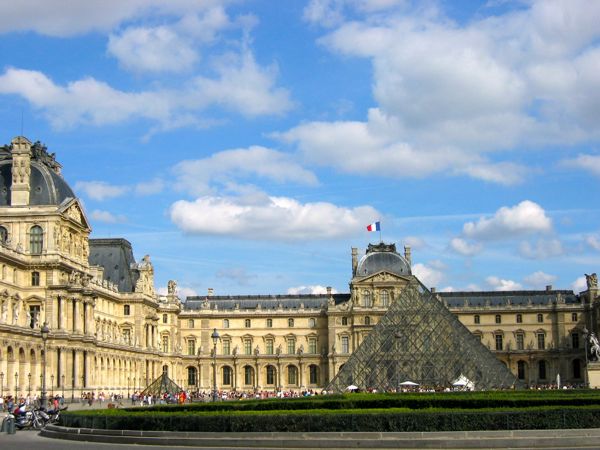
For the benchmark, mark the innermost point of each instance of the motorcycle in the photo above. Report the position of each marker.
(54, 414)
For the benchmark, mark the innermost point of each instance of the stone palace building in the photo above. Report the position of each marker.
(110, 331)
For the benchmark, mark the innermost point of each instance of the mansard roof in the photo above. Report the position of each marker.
(115, 255)
(382, 257)
(231, 302)
(505, 298)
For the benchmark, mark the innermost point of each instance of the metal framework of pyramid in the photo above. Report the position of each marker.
(420, 340)
(162, 385)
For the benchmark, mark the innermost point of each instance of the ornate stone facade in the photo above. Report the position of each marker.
(110, 331)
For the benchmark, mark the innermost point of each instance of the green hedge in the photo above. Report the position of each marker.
(343, 420)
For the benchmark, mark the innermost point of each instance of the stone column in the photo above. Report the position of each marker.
(77, 316)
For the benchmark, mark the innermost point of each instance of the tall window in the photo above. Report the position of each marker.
(521, 370)
(367, 320)
(573, 317)
(248, 376)
(312, 322)
(476, 319)
(35, 278)
(126, 310)
(385, 298)
(540, 318)
(344, 321)
(269, 346)
(313, 374)
(270, 375)
(191, 323)
(247, 347)
(227, 376)
(165, 344)
(542, 370)
(499, 342)
(191, 376)
(3, 235)
(367, 302)
(36, 240)
(541, 340)
(269, 323)
(520, 341)
(575, 340)
(165, 318)
(577, 368)
(191, 347)
(34, 314)
(291, 323)
(292, 375)
(225, 323)
(226, 347)
(247, 323)
(291, 346)
(498, 318)
(312, 345)
(519, 318)
(345, 344)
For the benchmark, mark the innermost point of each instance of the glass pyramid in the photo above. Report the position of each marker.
(162, 385)
(420, 341)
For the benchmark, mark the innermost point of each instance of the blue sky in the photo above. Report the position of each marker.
(245, 145)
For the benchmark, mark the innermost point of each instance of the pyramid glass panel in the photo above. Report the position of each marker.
(162, 385)
(420, 341)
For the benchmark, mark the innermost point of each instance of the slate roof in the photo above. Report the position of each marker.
(116, 256)
(518, 298)
(265, 301)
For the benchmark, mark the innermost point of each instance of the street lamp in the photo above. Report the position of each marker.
(44, 331)
(52, 384)
(215, 338)
(29, 385)
(1, 384)
(127, 387)
(63, 387)
(16, 385)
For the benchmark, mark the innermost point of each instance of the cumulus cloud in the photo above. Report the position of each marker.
(107, 217)
(427, 274)
(525, 218)
(465, 248)
(150, 187)
(589, 163)
(196, 176)
(415, 242)
(499, 284)
(541, 249)
(593, 241)
(268, 217)
(100, 190)
(579, 285)
(182, 291)
(312, 289)
(539, 279)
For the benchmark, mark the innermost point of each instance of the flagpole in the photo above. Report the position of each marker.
(380, 240)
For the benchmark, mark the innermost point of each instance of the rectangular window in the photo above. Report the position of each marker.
(34, 316)
(312, 346)
(165, 344)
(575, 340)
(191, 323)
(345, 344)
(291, 344)
(127, 336)
(269, 346)
(191, 347)
(498, 318)
(247, 347)
(541, 339)
(519, 318)
(35, 278)
(573, 317)
(226, 347)
(126, 310)
(269, 323)
(499, 342)
(165, 318)
(520, 341)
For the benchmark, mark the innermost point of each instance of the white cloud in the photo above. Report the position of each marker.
(428, 275)
(415, 242)
(541, 249)
(107, 217)
(589, 163)
(238, 274)
(269, 218)
(196, 176)
(100, 190)
(331, 12)
(150, 187)
(525, 218)
(579, 285)
(312, 289)
(593, 241)
(539, 279)
(499, 284)
(182, 291)
(157, 49)
(465, 248)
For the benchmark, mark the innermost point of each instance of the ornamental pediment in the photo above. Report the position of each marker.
(381, 277)
(72, 210)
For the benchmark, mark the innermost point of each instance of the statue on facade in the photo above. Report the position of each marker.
(591, 281)
(16, 311)
(594, 347)
(172, 287)
(4, 311)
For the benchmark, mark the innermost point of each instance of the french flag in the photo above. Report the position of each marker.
(374, 227)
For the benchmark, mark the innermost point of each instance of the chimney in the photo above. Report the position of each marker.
(548, 288)
(354, 260)
(407, 255)
(329, 291)
(211, 291)
(432, 290)
(21, 171)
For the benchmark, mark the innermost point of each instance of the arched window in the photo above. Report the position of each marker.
(3, 235)
(540, 318)
(227, 376)
(36, 240)
(476, 318)
(270, 375)
(313, 374)
(248, 376)
(192, 378)
(367, 320)
(292, 375)
(367, 302)
(247, 323)
(165, 369)
(519, 318)
(542, 370)
(385, 298)
(521, 370)
(225, 323)
(291, 323)
(269, 323)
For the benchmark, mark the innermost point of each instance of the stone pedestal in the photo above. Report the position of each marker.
(593, 374)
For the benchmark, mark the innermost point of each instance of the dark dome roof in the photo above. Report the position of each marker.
(382, 257)
(46, 186)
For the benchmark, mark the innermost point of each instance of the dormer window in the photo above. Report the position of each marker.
(3, 235)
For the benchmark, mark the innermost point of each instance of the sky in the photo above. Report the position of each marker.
(245, 145)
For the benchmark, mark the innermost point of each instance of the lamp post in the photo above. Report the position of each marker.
(2, 384)
(29, 384)
(44, 331)
(52, 384)
(199, 354)
(215, 339)
(127, 387)
(16, 385)
(63, 387)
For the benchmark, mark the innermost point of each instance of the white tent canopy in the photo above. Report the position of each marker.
(463, 382)
(409, 383)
